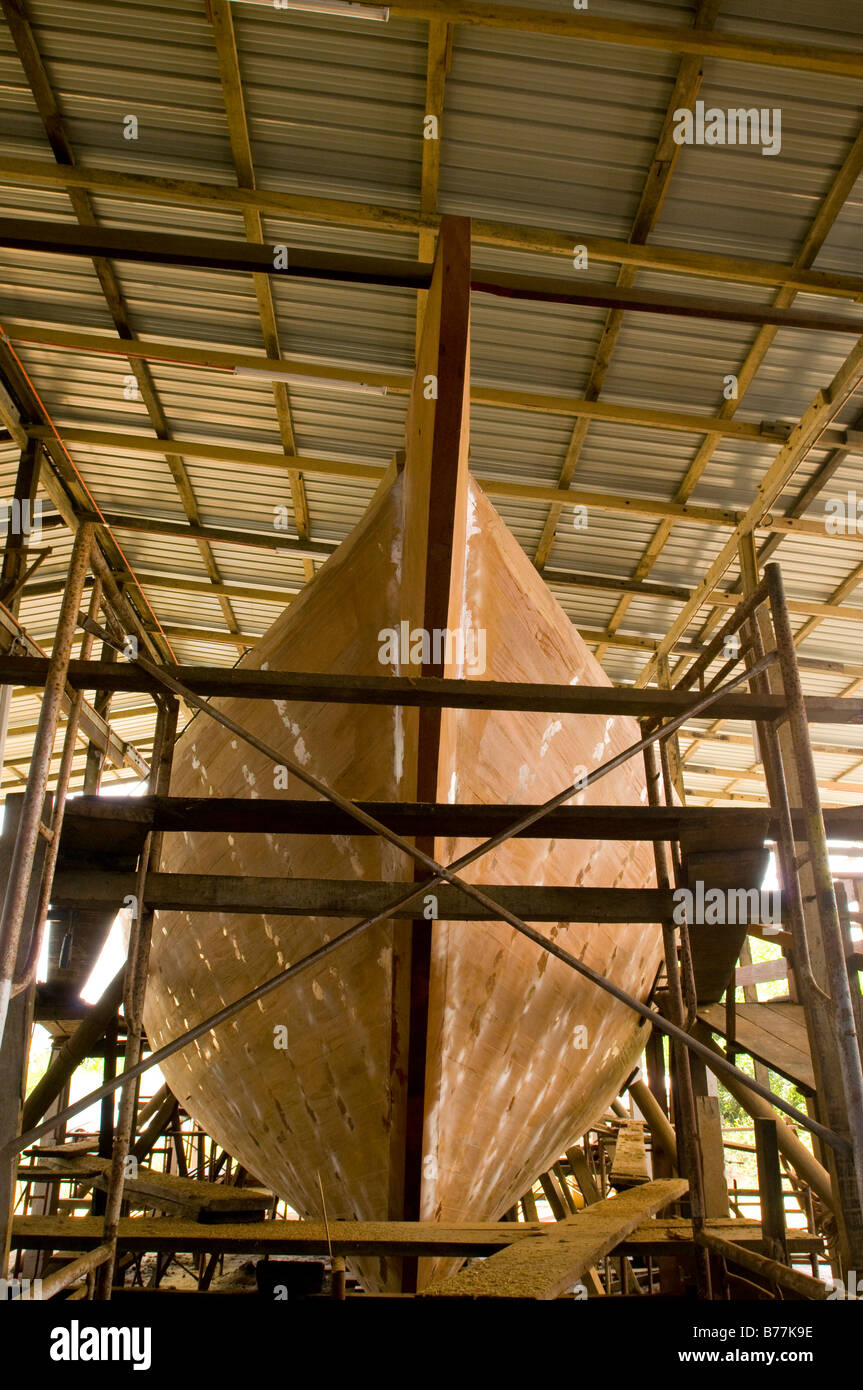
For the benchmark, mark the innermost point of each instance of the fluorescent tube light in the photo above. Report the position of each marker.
(344, 9)
(290, 379)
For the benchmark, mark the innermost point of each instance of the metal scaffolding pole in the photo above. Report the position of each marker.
(26, 973)
(828, 1006)
(37, 784)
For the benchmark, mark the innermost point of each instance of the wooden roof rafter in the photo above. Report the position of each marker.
(238, 129)
(824, 407)
(653, 193)
(591, 28)
(438, 59)
(826, 216)
(38, 173)
(39, 83)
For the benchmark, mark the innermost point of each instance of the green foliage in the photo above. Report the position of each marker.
(732, 1112)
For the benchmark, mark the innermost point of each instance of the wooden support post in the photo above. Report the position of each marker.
(654, 1107)
(149, 1137)
(821, 970)
(657, 1082)
(851, 958)
(712, 1155)
(528, 1207)
(580, 1168)
(91, 1028)
(95, 755)
(437, 433)
(686, 1122)
(807, 1167)
(663, 1140)
(552, 1196)
(770, 1188)
(134, 988)
(106, 1123)
(14, 565)
(15, 1052)
(564, 1187)
(21, 869)
(750, 996)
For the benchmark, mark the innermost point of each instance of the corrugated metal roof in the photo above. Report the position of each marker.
(536, 130)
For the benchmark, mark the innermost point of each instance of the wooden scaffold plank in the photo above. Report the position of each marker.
(546, 1267)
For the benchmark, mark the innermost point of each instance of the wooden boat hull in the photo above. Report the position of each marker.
(518, 1053)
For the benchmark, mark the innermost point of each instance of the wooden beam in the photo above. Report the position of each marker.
(208, 253)
(435, 489)
(133, 712)
(10, 417)
(653, 193)
(829, 209)
(623, 505)
(280, 595)
(825, 405)
(510, 285)
(545, 1267)
(835, 608)
(432, 692)
(39, 173)
(196, 1200)
(756, 773)
(351, 898)
(350, 1237)
(221, 17)
(194, 530)
(226, 360)
(438, 59)
(244, 641)
(87, 225)
(585, 27)
(90, 818)
(94, 815)
(803, 1285)
(92, 726)
(115, 441)
(215, 253)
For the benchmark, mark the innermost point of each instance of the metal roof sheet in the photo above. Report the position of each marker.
(536, 130)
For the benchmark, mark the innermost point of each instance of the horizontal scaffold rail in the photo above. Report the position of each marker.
(315, 688)
(334, 897)
(91, 818)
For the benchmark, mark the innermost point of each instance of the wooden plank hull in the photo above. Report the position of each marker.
(522, 1053)
(431, 1069)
